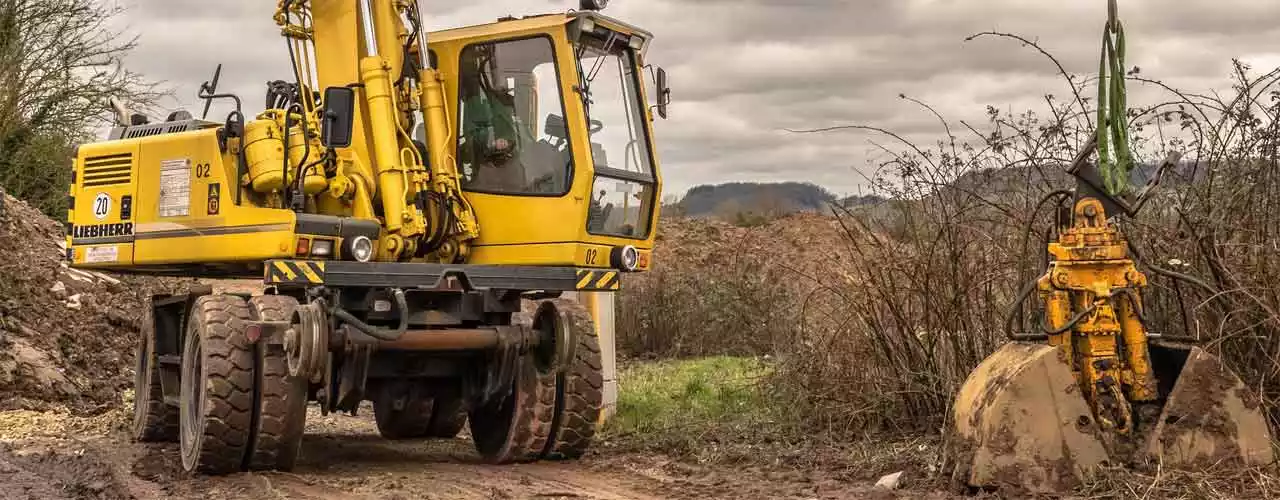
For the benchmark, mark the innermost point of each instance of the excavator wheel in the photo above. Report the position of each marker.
(1021, 422)
(401, 411)
(516, 428)
(580, 387)
(448, 414)
(282, 399)
(153, 420)
(415, 414)
(217, 389)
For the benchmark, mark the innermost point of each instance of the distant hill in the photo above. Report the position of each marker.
(773, 199)
(863, 200)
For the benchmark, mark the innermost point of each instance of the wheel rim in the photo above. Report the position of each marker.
(492, 424)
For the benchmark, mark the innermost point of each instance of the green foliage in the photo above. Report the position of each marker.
(60, 65)
(679, 405)
(40, 173)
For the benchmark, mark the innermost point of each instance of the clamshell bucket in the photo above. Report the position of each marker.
(1209, 415)
(1020, 421)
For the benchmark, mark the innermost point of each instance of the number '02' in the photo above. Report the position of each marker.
(204, 171)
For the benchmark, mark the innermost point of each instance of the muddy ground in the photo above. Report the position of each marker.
(46, 455)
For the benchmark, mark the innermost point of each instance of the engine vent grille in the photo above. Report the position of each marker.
(108, 170)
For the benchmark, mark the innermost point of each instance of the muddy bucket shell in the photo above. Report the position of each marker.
(1209, 415)
(1020, 420)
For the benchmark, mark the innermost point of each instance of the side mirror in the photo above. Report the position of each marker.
(338, 118)
(664, 93)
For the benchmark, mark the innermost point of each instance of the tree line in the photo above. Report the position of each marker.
(60, 64)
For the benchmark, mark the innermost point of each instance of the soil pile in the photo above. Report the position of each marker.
(67, 336)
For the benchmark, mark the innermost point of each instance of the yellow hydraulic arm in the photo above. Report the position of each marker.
(423, 211)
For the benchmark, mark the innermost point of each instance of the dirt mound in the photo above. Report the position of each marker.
(66, 336)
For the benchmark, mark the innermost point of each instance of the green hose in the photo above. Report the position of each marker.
(1115, 161)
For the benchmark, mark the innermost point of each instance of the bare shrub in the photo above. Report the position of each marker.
(925, 299)
(919, 288)
(719, 288)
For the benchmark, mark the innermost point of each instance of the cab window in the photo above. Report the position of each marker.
(512, 137)
(622, 195)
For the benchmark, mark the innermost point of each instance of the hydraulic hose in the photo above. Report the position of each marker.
(373, 331)
(1016, 308)
(1071, 323)
(1168, 273)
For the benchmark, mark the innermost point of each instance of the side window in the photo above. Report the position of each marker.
(622, 194)
(512, 137)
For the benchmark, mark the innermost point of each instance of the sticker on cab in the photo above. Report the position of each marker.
(100, 255)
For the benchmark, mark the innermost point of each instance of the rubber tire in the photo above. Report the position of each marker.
(217, 394)
(411, 422)
(579, 390)
(282, 403)
(153, 420)
(516, 428)
(448, 417)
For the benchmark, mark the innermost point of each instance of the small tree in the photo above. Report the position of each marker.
(60, 64)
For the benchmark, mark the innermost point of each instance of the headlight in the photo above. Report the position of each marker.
(361, 248)
(626, 258)
(594, 4)
(322, 248)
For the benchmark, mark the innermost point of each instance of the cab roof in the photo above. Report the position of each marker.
(537, 22)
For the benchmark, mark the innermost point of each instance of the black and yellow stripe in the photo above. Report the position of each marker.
(592, 280)
(303, 272)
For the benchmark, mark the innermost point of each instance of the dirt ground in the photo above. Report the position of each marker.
(52, 455)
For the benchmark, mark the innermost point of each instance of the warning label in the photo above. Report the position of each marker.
(175, 188)
(99, 255)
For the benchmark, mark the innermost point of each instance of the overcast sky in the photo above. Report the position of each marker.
(743, 70)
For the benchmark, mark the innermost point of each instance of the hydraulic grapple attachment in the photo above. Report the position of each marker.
(1021, 420)
(1098, 390)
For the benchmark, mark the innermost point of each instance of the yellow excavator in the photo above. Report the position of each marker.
(421, 207)
(1094, 385)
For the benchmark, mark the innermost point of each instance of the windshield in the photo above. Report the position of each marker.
(622, 195)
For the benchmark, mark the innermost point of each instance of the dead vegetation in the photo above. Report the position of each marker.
(915, 293)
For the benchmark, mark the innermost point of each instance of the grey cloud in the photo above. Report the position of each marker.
(744, 70)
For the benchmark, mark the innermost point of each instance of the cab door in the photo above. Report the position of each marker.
(516, 148)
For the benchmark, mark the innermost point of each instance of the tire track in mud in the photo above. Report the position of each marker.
(55, 456)
(342, 457)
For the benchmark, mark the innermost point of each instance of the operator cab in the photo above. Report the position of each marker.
(554, 124)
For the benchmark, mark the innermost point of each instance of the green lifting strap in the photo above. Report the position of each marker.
(1115, 161)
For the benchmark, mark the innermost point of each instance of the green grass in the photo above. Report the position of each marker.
(679, 404)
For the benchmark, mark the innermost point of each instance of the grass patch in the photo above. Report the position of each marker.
(720, 410)
(685, 405)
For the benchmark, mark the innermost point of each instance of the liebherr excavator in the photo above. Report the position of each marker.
(1093, 385)
(420, 207)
